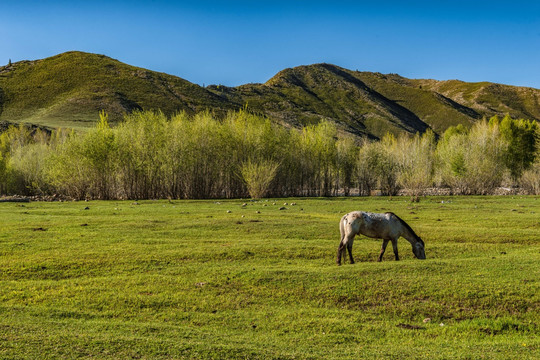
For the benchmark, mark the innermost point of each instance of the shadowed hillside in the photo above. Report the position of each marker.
(306, 94)
(68, 90)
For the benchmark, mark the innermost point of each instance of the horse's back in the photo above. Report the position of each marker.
(375, 225)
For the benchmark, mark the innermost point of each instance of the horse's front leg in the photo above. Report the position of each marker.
(384, 245)
(394, 246)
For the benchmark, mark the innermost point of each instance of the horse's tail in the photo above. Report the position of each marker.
(342, 223)
(406, 226)
(341, 247)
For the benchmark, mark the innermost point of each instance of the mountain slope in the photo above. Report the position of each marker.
(69, 89)
(307, 94)
(489, 98)
(366, 103)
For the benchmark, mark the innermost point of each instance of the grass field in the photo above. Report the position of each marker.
(187, 279)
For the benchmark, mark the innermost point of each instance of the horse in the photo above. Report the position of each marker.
(387, 226)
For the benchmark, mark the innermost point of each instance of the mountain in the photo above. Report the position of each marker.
(69, 89)
(308, 94)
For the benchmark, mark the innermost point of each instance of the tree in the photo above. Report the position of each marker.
(366, 166)
(346, 156)
(84, 164)
(377, 167)
(3, 173)
(472, 162)
(416, 162)
(319, 149)
(520, 136)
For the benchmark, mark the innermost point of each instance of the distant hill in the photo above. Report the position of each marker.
(69, 89)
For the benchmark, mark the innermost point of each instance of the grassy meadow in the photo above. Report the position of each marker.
(188, 279)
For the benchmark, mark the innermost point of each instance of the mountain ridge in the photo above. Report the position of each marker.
(69, 89)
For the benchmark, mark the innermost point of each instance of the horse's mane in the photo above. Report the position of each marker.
(417, 238)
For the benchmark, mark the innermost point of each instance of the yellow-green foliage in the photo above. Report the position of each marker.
(530, 179)
(415, 161)
(151, 155)
(28, 166)
(3, 173)
(346, 160)
(472, 162)
(258, 176)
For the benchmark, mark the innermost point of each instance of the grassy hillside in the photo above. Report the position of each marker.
(437, 110)
(366, 103)
(68, 90)
(489, 98)
(188, 280)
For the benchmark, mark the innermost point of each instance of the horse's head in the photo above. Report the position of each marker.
(418, 250)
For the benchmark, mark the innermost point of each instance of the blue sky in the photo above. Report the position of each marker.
(238, 42)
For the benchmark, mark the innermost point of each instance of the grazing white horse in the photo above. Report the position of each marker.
(387, 226)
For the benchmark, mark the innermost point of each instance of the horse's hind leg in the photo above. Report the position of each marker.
(394, 246)
(384, 245)
(344, 245)
(343, 242)
(349, 248)
(340, 251)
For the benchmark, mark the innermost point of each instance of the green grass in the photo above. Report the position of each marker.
(186, 279)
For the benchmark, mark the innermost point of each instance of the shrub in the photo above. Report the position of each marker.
(258, 176)
(530, 179)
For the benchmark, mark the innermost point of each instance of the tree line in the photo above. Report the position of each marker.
(150, 156)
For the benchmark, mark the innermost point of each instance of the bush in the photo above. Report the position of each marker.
(258, 176)
(530, 179)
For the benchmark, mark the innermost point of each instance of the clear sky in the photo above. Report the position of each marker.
(238, 42)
